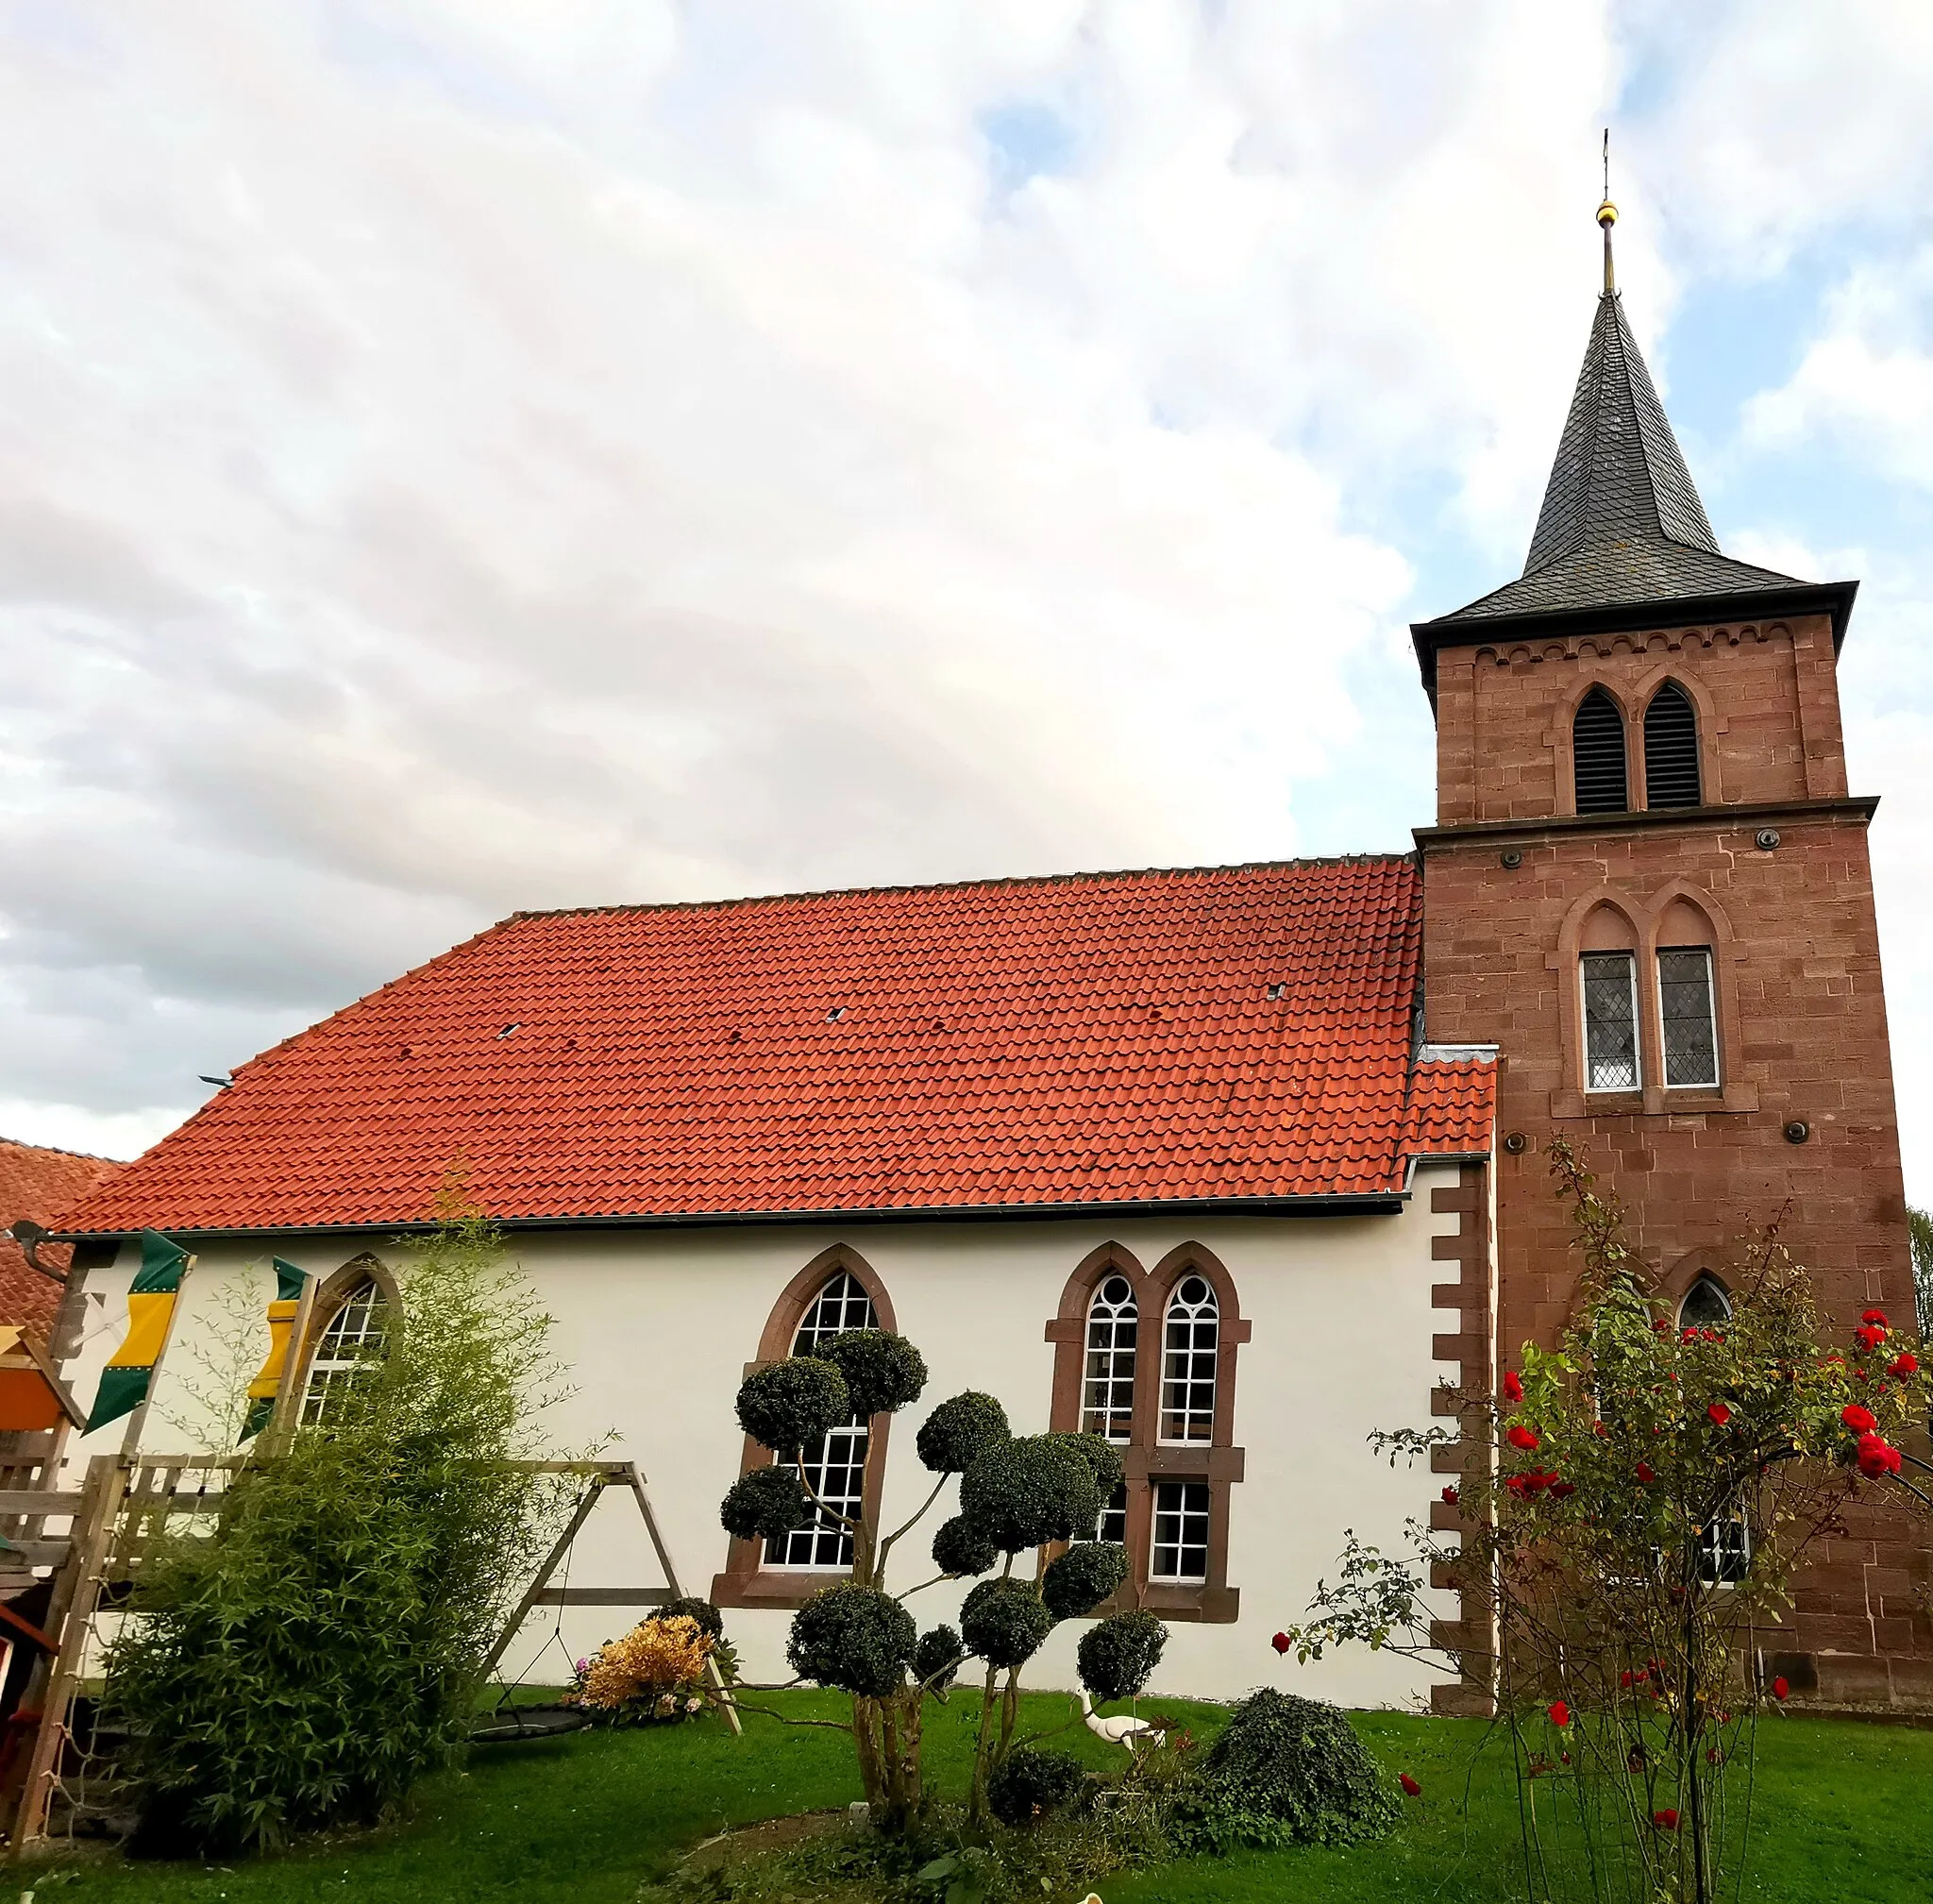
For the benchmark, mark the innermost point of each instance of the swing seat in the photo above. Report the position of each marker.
(511, 1722)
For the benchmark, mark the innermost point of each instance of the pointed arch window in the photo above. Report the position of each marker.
(1705, 1305)
(1671, 750)
(1114, 1322)
(835, 1464)
(1597, 755)
(352, 1337)
(1189, 1355)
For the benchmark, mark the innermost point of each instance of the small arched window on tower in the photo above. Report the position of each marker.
(1671, 750)
(1597, 755)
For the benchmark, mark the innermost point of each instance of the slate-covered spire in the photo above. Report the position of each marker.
(1622, 521)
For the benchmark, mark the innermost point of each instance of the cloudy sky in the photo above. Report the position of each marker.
(525, 452)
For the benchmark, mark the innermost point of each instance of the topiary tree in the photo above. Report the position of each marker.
(1016, 1493)
(1032, 1785)
(1633, 1505)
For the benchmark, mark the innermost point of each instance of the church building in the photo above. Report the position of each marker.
(1233, 1165)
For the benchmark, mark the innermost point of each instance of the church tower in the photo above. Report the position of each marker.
(1649, 887)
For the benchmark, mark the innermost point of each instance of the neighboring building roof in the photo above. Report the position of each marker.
(1622, 521)
(40, 1183)
(1106, 1038)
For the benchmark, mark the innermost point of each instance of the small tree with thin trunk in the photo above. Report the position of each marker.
(1016, 1494)
(1634, 1504)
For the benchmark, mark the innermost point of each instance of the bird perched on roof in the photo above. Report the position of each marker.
(1129, 1734)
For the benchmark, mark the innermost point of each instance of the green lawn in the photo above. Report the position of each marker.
(587, 1817)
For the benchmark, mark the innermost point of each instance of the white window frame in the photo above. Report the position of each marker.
(1590, 1085)
(1181, 1514)
(1108, 1364)
(840, 1304)
(1711, 1083)
(344, 1347)
(1181, 1364)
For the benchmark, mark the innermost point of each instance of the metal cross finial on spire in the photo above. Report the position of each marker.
(1607, 213)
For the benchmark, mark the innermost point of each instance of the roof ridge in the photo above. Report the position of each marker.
(59, 1151)
(1006, 880)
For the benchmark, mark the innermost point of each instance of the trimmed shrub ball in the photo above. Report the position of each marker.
(883, 1372)
(1103, 1457)
(853, 1638)
(959, 1431)
(1083, 1577)
(764, 1504)
(959, 1547)
(1004, 1622)
(1288, 1770)
(1029, 1783)
(1030, 1491)
(783, 1406)
(1118, 1656)
(710, 1622)
(937, 1659)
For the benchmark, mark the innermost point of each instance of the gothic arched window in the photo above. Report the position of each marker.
(1189, 1352)
(1705, 1305)
(1107, 1395)
(835, 1464)
(1597, 755)
(351, 1338)
(1671, 749)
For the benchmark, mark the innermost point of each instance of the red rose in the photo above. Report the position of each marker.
(1877, 1457)
(1646, 1473)
(1562, 1491)
(1687, 1335)
(1409, 1785)
(1560, 1714)
(1875, 1316)
(1513, 1386)
(1720, 1414)
(1281, 1642)
(1451, 1497)
(1858, 1418)
(1524, 1438)
(1780, 1687)
(1904, 1364)
(1869, 1338)
(1597, 1428)
(1663, 1327)
(1518, 1484)
(1627, 1677)
(1666, 1820)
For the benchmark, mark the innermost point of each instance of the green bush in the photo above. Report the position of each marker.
(764, 1504)
(710, 1622)
(960, 1548)
(787, 1403)
(1117, 1657)
(1004, 1623)
(853, 1638)
(883, 1372)
(305, 1663)
(1030, 1783)
(959, 1431)
(1083, 1577)
(1029, 1491)
(937, 1659)
(1288, 1771)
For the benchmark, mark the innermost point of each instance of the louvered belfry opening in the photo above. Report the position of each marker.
(1597, 753)
(1671, 749)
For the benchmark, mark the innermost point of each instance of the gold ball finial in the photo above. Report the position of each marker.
(1607, 214)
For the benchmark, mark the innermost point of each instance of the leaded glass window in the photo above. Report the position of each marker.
(1180, 1550)
(1685, 1002)
(834, 1465)
(1107, 1400)
(1610, 1022)
(1189, 1355)
(1706, 1306)
(353, 1339)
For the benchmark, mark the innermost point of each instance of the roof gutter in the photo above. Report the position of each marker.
(1365, 1204)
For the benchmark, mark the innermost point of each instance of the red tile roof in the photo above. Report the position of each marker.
(1234, 1032)
(40, 1183)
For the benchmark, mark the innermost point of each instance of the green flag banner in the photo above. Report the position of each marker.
(150, 1310)
(267, 1384)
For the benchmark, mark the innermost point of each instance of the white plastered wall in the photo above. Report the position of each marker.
(658, 1325)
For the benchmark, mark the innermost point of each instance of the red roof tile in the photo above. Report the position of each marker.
(40, 1183)
(1096, 1038)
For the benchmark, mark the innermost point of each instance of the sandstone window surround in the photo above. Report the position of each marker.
(1176, 1440)
(1624, 747)
(1672, 958)
(825, 1297)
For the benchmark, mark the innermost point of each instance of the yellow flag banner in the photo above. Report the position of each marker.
(267, 1384)
(151, 1300)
